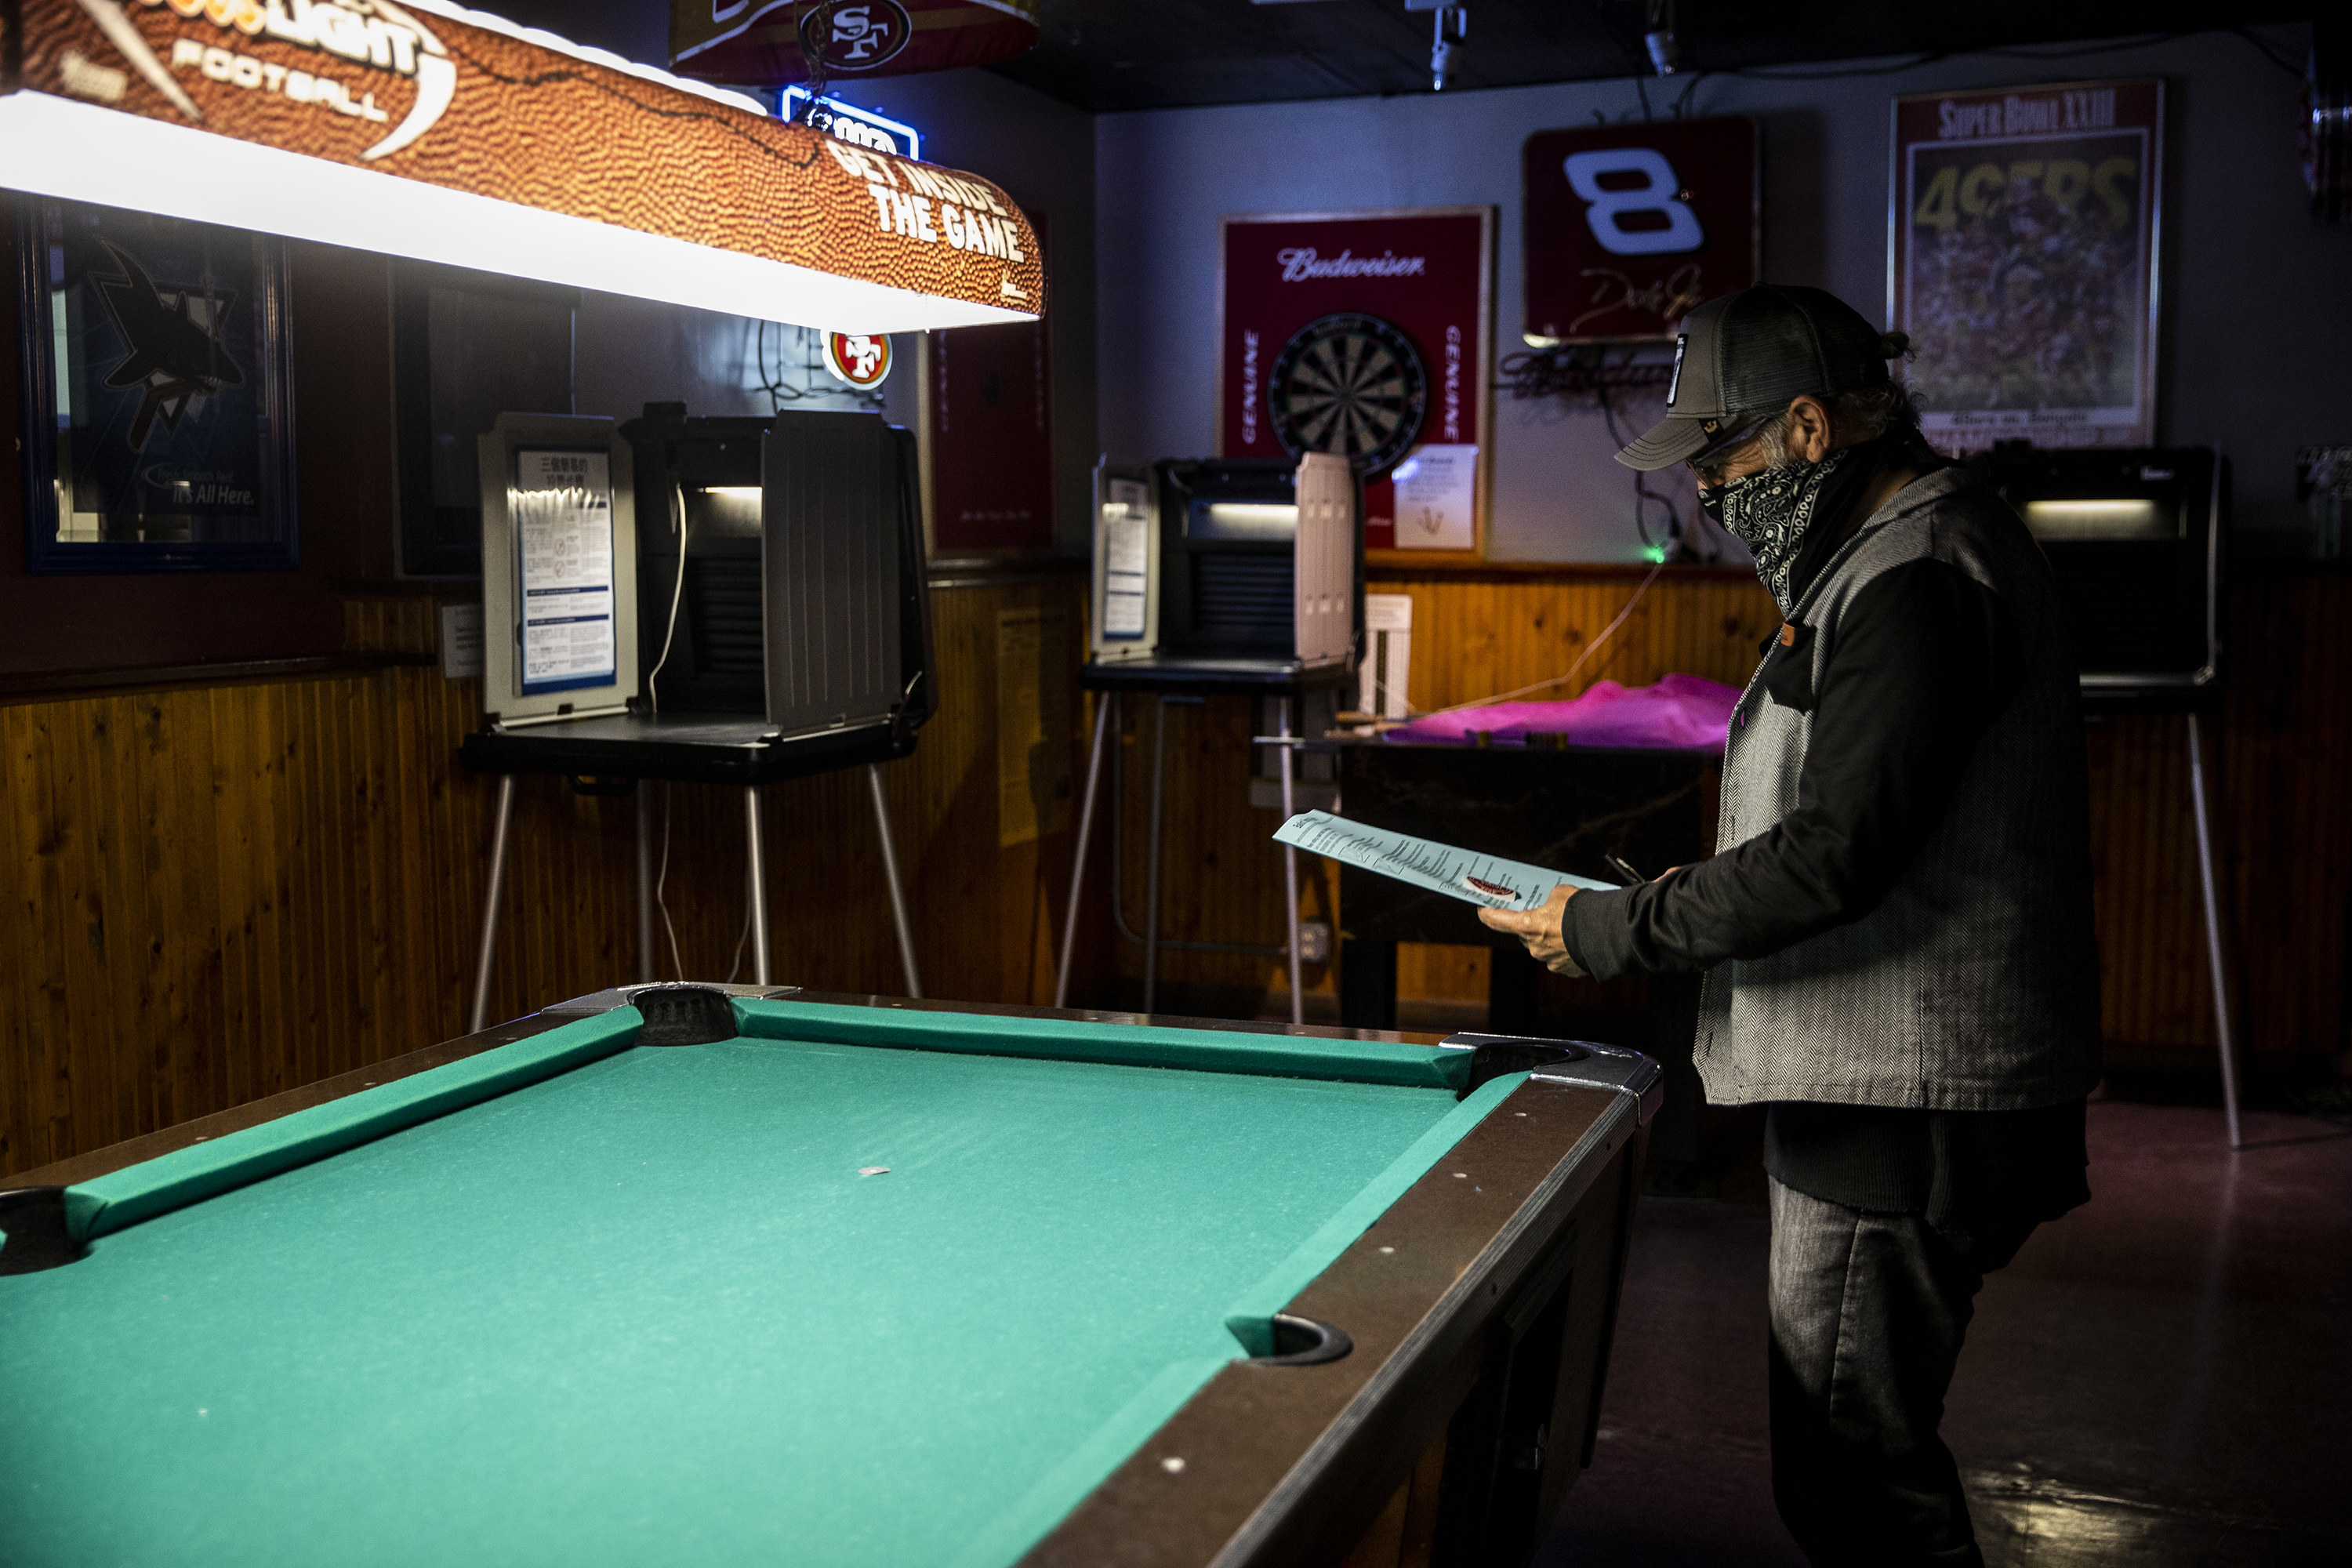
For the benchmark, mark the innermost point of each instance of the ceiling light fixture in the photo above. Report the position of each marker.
(1449, 28)
(1665, 49)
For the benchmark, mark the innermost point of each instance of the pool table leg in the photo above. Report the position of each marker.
(1368, 982)
(756, 869)
(491, 905)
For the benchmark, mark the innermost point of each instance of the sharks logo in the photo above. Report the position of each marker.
(172, 342)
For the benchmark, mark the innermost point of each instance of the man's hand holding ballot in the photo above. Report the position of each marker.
(1539, 931)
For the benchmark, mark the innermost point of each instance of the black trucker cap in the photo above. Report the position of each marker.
(1741, 359)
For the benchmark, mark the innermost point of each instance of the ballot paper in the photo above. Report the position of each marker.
(1463, 874)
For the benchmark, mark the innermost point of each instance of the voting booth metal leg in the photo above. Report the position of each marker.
(1105, 704)
(1290, 869)
(898, 890)
(2229, 1045)
(1151, 879)
(491, 905)
(756, 870)
(646, 960)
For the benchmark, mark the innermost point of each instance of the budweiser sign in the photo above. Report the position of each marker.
(1300, 264)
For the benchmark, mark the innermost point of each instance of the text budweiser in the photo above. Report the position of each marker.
(1300, 263)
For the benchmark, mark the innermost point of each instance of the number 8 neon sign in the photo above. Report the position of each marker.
(1604, 209)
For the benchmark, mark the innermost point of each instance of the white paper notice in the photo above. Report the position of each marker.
(1463, 874)
(1436, 495)
(1127, 558)
(461, 642)
(1387, 655)
(562, 506)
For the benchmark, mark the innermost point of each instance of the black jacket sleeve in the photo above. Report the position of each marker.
(1925, 657)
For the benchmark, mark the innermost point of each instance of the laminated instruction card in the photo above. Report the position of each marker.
(1127, 558)
(563, 507)
(1463, 874)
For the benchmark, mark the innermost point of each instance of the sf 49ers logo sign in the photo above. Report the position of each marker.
(1629, 226)
(855, 35)
(861, 361)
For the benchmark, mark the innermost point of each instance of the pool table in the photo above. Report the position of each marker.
(724, 1275)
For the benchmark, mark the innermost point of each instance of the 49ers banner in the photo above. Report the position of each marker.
(422, 129)
(775, 41)
(2023, 262)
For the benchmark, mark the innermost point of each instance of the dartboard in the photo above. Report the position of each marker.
(1350, 384)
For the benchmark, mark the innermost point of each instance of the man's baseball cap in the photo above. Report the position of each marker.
(1739, 360)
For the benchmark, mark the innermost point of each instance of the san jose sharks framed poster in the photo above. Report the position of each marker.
(157, 396)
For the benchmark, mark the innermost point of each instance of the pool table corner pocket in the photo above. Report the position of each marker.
(35, 1232)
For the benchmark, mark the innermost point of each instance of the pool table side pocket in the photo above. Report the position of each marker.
(1251, 1317)
(1286, 1465)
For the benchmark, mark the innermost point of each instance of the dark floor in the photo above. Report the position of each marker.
(2163, 1376)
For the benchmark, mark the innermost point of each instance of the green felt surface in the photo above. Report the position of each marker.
(647, 1311)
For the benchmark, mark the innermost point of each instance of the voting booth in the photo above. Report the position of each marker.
(1223, 559)
(731, 601)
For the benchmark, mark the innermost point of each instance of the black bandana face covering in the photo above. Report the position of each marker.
(1769, 512)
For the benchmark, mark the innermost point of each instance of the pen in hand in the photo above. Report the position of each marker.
(1625, 873)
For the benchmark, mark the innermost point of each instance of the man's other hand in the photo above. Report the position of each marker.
(1538, 929)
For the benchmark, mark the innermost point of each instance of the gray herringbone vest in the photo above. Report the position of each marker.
(1975, 984)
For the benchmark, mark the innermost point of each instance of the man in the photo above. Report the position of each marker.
(1895, 927)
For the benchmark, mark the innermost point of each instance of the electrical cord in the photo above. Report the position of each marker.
(676, 964)
(1643, 493)
(661, 878)
(676, 591)
(2075, 52)
(1589, 649)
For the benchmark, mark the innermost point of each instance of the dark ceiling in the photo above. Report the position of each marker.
(1104, 55)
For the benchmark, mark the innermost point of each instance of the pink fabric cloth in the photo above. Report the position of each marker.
(1681, 710)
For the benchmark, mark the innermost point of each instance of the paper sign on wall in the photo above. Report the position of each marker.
(563, 509)
(1387, 655)
(461, 642)
(1436, 495)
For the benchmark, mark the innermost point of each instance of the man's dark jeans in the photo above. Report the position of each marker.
(1868, 1313)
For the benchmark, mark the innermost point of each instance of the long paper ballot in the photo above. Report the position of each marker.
(1463, 874)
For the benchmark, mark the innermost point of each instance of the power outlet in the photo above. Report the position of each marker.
(1314, 941)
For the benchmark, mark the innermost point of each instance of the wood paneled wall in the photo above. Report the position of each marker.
(217, 892)
(2279, 767)
(2279, 758)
